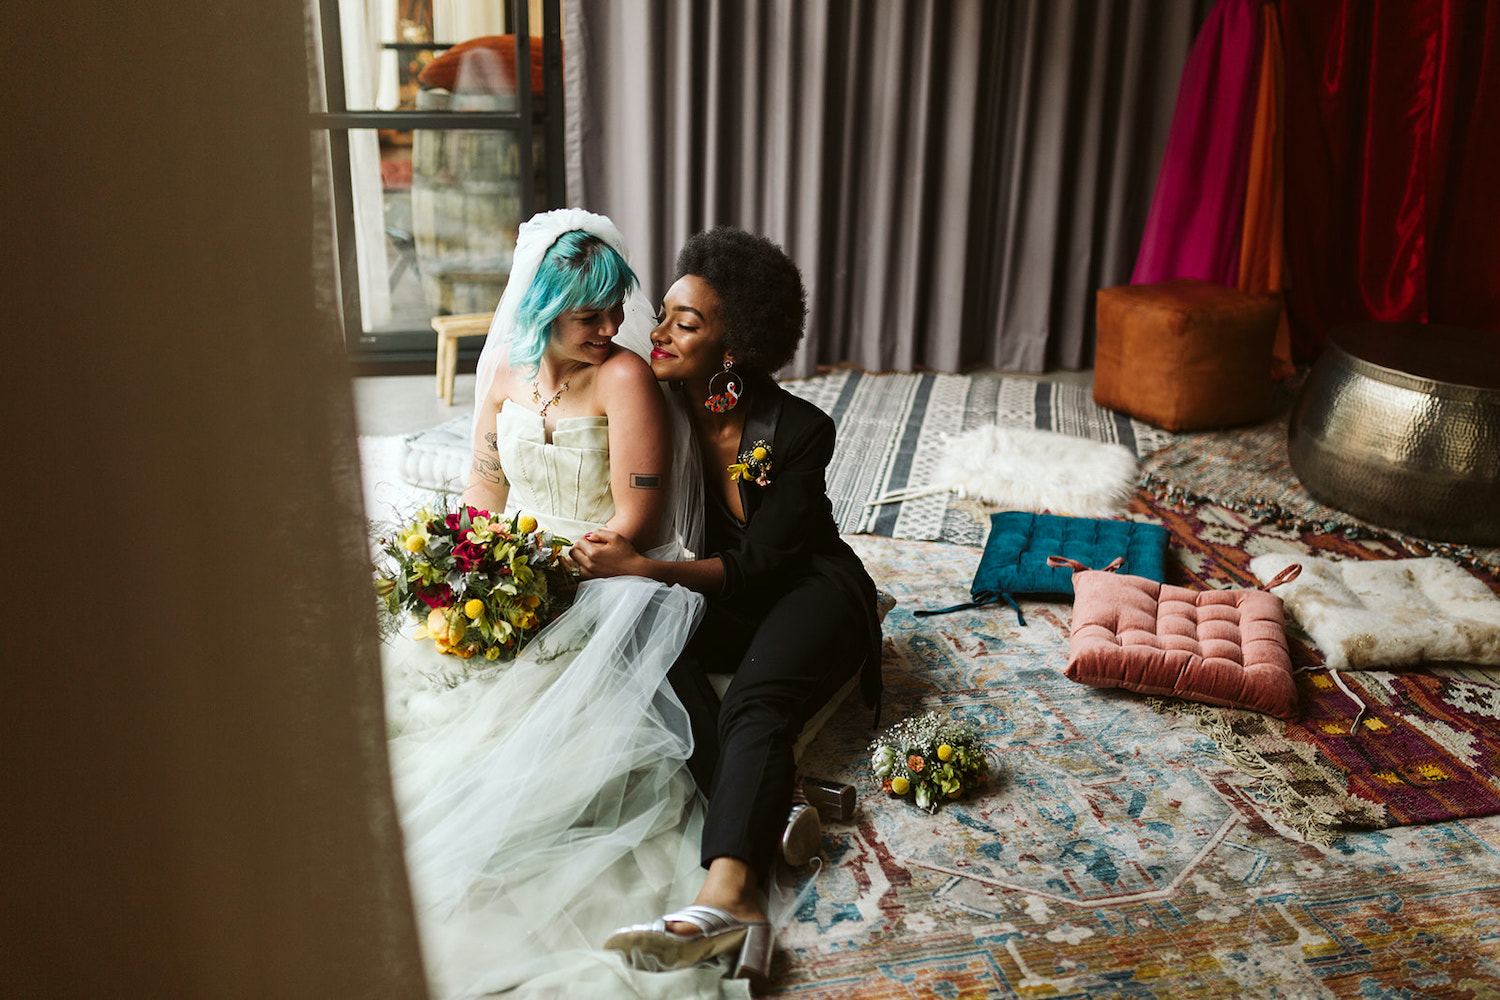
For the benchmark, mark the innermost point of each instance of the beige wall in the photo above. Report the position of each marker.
(194, 791)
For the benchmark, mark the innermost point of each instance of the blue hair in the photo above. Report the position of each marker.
(579, 271)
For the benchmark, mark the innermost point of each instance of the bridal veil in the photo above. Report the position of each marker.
(682, 520)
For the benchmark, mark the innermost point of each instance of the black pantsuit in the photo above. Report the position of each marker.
(795, 620)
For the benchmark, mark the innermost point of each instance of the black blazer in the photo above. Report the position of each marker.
(789, 532)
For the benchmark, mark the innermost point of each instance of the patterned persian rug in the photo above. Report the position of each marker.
(1114, 853)
(1429, 748)
(1247, 468)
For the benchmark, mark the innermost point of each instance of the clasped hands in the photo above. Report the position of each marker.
(604, 552)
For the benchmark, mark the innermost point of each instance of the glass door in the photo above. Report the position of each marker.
(443, 126)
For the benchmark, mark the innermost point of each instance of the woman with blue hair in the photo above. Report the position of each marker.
(563, 384)
(543, 802)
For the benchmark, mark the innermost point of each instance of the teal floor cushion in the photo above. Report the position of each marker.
(1014, 563)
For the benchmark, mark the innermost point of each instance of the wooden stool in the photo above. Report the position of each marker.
(449, 330)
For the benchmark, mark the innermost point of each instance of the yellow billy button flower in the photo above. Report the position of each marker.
(526, 524)
(414, 543)
(900, 785)
(473, 607)
(945, 752)
(760, 454)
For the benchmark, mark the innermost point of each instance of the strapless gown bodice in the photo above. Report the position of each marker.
(563, 483)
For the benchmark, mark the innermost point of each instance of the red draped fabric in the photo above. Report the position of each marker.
(1392, 163)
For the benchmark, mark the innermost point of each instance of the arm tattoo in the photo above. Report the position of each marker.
(644, 482)
(487, 463)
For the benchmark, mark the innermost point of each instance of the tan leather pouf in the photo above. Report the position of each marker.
(1185, 354)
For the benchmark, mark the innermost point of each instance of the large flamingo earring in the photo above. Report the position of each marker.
(722, 400)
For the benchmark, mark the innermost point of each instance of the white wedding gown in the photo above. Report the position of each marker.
(547, 803)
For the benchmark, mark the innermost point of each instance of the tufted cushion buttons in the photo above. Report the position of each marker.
(1223, 647)
(1015, 559)
(439, 457)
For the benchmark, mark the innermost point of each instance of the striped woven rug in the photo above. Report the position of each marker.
(890, 431)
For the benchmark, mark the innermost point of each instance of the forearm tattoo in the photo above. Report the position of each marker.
(487, 463)
(640, 481)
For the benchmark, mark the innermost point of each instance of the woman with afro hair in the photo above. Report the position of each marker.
(791, 611)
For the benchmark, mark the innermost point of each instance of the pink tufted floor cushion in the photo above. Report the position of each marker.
(1223, 647)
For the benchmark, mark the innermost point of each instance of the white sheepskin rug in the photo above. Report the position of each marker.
(1018, 468)
(1389, 613)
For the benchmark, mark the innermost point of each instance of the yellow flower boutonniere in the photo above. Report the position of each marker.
(754, 465)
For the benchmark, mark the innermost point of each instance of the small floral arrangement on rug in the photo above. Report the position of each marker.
(929, 758)
(479, 585)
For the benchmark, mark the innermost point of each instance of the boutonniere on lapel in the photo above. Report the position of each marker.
(754, 465)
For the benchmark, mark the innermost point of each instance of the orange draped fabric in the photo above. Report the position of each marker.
(1262, 250)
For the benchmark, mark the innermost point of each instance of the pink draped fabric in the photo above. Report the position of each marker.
(1198, 210)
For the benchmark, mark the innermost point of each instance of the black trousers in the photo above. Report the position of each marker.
(788, 661)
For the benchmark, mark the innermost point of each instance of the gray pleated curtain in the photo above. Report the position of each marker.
(954, 177)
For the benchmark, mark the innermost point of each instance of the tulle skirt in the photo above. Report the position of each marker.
(549, 802)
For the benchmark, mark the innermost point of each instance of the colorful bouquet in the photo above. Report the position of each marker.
(929, 758)
(478, 584)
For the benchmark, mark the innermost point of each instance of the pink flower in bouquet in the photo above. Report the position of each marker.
(468, 555)
(434, 597)
(455, 519)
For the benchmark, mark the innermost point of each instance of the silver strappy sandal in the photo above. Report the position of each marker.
(653, 948)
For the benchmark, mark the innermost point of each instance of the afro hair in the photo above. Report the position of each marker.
(763, 304)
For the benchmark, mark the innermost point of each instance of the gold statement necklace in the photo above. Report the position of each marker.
(536, 394)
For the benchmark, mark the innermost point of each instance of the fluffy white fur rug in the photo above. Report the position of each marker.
(1389, 613)
(1019, 468)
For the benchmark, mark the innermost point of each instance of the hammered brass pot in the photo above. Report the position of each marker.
(1399, 424)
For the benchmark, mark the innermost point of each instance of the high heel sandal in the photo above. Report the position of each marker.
(755, 957)
(653, 948)
(803, 837)
(833, 800)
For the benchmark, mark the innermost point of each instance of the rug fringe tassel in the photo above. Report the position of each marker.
(911, 493)
(1307, 821)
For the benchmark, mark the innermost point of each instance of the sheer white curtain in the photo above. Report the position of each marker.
(460, 20)
(364, 25)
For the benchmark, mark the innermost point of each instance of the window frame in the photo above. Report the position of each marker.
(413, 349)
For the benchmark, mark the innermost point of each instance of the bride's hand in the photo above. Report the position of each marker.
(603, 552)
